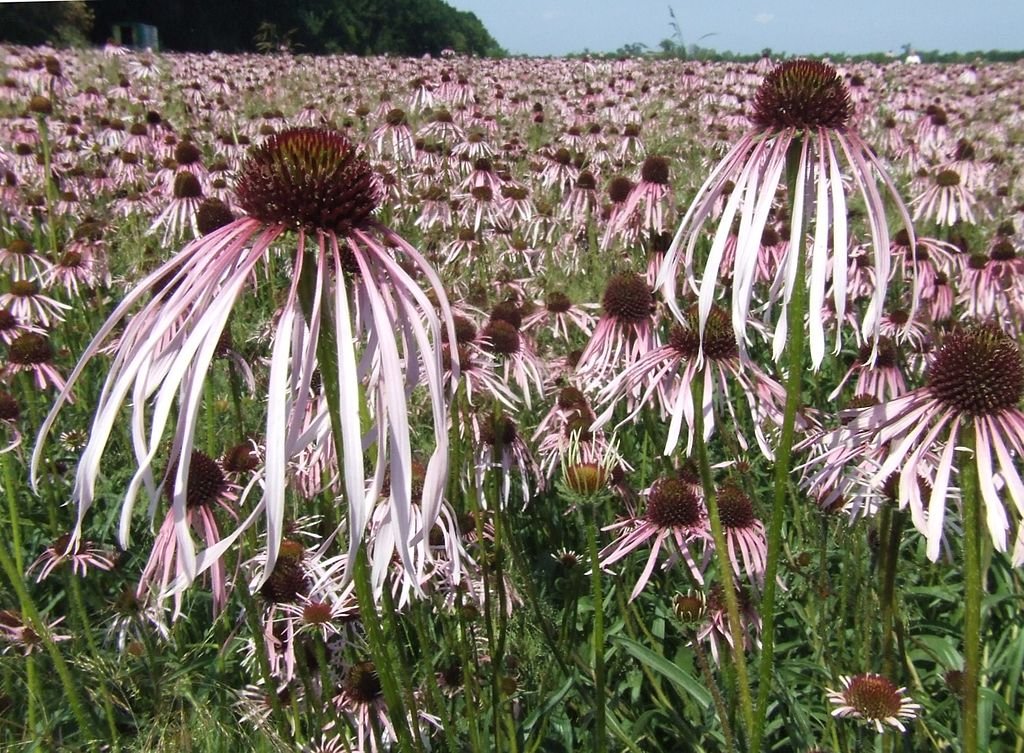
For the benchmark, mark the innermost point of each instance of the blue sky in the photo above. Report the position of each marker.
(557, 27)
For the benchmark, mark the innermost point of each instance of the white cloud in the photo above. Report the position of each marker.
(764, 18)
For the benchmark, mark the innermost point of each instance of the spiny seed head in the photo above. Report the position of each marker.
(20, 247)
(507, 311)
(465, 330)
(24, 288)
(734, 507)
(947, 179)
(719, 337)
(1002, 250)
(672, 502)
(557, 302)
(9, 408)
(619, 188)
(30, 349)
(205, 484)
(873, 697)
(240, 459)
(655, 170)
(978, 371)
(213, 214)
(40, 105)
(187, 186)
(628, 297)
(494, 430)
(289, 580)
(501, 337)
(362, 683)
(310, 178)
(586, 181)
(8, 320)
(187, 153)
(803, 94)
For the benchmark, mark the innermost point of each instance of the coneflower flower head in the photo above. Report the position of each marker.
(308, 178)
(802, 94)
(313, 182)
(978, 371)
(800, 117)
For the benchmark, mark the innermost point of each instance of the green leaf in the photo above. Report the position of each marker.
(671, 672)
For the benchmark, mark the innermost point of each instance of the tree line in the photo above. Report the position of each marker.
(364, 27)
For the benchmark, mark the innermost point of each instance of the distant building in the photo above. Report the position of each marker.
(913, 59)
(137, 36)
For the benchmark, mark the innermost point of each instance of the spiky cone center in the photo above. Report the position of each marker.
(655, 170)
(317, 613)
(672, 503)
(719, 337)
(206, 482)
(24, 288)
(501, 338)
(628, 298)
(557, 303)
(887, 354)
(241, 458)
(362, 683)
(213, 214)
(690, 608)
(70, 260)
(310, 178)
(501, 429)
(802, 94)
(585, 479)
(289, 579)
(618, 189)
(30, 349)
(20, 247)
(507, 311)
(1003, 250)
(947, 179)
(735, 509)
(187, 153)
(9, 408)
(8, 321)
(873, 697)
(977, 371)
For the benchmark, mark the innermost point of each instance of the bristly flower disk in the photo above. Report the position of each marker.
(343, 265)
(309, 178)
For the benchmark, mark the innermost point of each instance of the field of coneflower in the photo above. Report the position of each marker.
(365, 404)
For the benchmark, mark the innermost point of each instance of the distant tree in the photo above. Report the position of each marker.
(63, 24)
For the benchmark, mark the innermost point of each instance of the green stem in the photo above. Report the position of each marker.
(36, 623)
(891, 548)
(972, 595)
(82, 616)
(380, 648)
(10, 487)
(716, 694)
(50, 189)
(724, 565)
(600, 733)
(795, 312)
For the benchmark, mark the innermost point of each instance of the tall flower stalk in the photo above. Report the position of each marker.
(802, 136)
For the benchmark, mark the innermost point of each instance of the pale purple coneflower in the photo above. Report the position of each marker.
(16, 633)
(32, 353)
(558, 312)
(974, 384)
(715, 628)
(26, 300)
(801, 115)
(670, 372)
(207, 491)
(312, 182)
(84, 555)
(881, 377)
(875, 700)
(625, 332)
(674, 513)
(946, 201)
